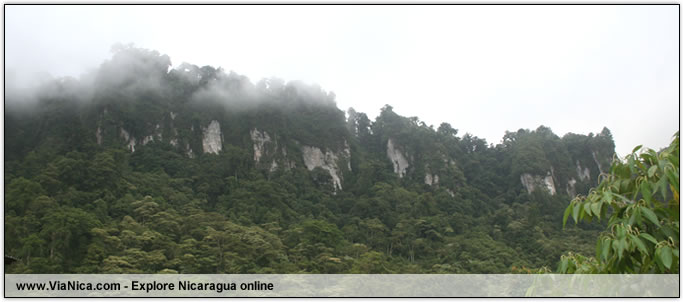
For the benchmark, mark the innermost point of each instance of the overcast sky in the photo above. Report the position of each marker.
(483, 69)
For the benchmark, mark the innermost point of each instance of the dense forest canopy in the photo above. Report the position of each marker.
(143, 168)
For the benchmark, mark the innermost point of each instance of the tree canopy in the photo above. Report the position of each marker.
(640, 200)
(109, 174)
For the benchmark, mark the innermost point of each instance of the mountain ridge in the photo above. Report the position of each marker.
(138, 142)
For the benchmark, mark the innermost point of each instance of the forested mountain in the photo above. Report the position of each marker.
(139, 168)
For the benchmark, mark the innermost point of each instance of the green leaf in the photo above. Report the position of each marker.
(632, 218)
(639, 243)
(636, 215)
(566, 215)
(636, 148)
(607, 197)
(651, 172)
(632, 164)
(605, 248)
(563, 266)
(621, 232)
(575, 213)
(645, 189)
(650, 215)
(587, 208)
(648, 237)
(658, 257)
(661, 187)
(666, 256)
(673, 179)
(668, 232)
(596, 208)
(621, 246)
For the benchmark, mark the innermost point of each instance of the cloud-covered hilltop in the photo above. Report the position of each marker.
(138, 167)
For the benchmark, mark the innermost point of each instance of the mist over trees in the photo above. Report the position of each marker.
(141, 168)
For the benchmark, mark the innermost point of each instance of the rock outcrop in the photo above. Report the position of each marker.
(130, 141)
(98, 135)
(531, 183)
(212, 141)
(397, 158)
(571, 187)
(597, 162)
(431, 179)
(259, 139)
(583, 173)
(147, 139)
(328, 161)
(189, 152)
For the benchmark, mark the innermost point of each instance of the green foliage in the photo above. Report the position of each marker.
(639, 198)
(79, 199)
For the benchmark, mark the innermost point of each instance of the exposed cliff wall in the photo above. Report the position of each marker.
(205, 111)
(259, 140)
(534, 182)
(329, 161)
(431, 179)
(212, 141)
(397, 158)
(571, 187)
(584, 173)
(130, 141)
(597, 162)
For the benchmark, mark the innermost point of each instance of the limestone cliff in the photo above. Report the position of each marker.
(329, 161)
(534, 182)
(399, 161)
(259, 139)
(212, 141)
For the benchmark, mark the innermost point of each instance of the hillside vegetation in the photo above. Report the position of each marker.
(139, 168)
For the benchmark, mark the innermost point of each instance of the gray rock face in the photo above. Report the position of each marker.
(147, 139)
(98, 135)
(431, 179)
(314, 157)
(212, 141)
(583, 173)
(571, 190)
(154, 136)
(130, 140)
(266, 148)
(549, 184)
(397, 158)
(531, 183)
(597, 162)
(259, 139)
(189, 152)
(347, 153)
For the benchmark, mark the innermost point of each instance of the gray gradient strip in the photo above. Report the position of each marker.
(360, 285)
